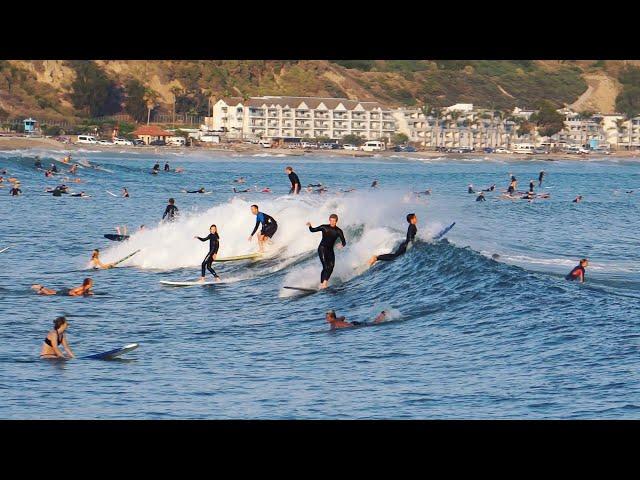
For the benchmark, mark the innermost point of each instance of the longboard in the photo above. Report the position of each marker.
(239, 257)
(111, 193)
(125, 258)
(5, 249)
(300, 289)
(187, 284)
(443, 232)
(111, 354)
(115, 238)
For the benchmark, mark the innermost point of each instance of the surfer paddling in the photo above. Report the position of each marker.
(578, 272)
(341, 322)
(412, 219)
(214, 244)
(82, 290)
(55, 338)
(96, 263)
(330, 234)
(269, 227)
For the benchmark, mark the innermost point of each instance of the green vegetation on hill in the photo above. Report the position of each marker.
(628, 101)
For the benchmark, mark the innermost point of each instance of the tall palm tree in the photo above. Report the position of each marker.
(150, 97)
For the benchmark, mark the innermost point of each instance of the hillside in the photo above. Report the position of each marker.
(56, 89)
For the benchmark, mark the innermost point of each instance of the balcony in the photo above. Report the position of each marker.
(321, 115)
(303, 124)
(273, 113)
(340, 116)
(321, 125)
(257, 124)
(303, 114)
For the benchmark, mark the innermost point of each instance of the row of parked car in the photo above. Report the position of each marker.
(91, 140)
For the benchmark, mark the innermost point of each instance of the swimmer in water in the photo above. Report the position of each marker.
(374, 184)
(266, 190)
(166, 167)
(73, 169)
(96, 263)
(341, 322)
(38, 163)
(15, 191)
(578, 199)
(412, 231)
(200, 190)
(55, 338)
(330, 234)
(171, 211)
(540, 178)
(269, 227)
(531, 185)
(241, 191)
(54, 169)
(82, 290)
(470, 189)
(294, 179)
(48, 173)
(480, 197)
(214, 244)
(490, 189)
(578, 272)
(125, 192)
(239, 180)
(156, 167)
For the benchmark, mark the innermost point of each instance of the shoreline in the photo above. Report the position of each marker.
(24, 143)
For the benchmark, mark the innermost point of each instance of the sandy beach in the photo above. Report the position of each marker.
(22, 143)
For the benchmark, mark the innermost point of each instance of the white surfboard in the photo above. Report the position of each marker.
(113, 353)
(5, 249)
(111, 193)
(239, 257)
(188, 283)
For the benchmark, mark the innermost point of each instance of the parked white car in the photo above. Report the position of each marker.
(87, 139)
(122, 141)
(264, 143)
(502, 150)
(373, 146)
(348, 146)
(176, 141)
(105, 142)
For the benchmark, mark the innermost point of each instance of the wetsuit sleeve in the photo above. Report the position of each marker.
(255, 229)
(341, 235)
(166, 211)
(316, 229)
(205, 238)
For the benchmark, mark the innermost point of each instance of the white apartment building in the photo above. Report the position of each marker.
(296, 118)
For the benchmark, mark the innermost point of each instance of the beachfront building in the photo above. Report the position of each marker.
(629, 134)
(149, 133)
(296, 118)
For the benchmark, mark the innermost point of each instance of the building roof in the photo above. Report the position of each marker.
(152, 131)
(311, 102)
(232, 101)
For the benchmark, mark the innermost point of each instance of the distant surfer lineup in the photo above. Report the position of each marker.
(56, 345)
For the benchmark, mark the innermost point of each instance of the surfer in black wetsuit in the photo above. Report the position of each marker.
(166, 167)
(578, 199)
(38, 163)
(156, 167)
(55, 338)
(480, 197)
(241, 191)
(531, 185)
(578, 272)
(330, 233)
(15, 191)
(200, 190)
(214, 244)
(295, 181)
(540, 177)
(374, 184)
(412, 219)
(171, 211)
(470, 189)
(125, 192)
(490, 189)
(269, 227)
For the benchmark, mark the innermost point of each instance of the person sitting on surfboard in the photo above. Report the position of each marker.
(330, 234)
(55, 338)
(214, 244)
(480, 197)
(171, 211)
(82, 290)
(269, 227)
(578, 272)
(412, 219)
(95, 260)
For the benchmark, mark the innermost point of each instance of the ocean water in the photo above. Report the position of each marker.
(470, 336)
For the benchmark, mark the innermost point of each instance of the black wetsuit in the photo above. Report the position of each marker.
(531, 186)
(325, 249)
(15, 192)
(293, 178)
(166, 167)
(196, 191)
(269, 225)
(575, 273)
(54, 169)
(38, 164)
(213, 249)
(170, 212)
(156, 167)
(480, 198)
(540, 177)
(411, 235)
(490, 189)
(470, 189)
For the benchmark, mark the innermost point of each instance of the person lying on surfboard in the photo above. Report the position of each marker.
(330, 234)
(200, 190)
(269, 227)
(412, 219)
(214, 244)
(341, 322)
(55, 338)
(82, 290)
(95, 260)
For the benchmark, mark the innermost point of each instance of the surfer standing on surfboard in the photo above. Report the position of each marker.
(412, 219)
(55, 338)
(330, 234)
(214, 244)
(269, 227)
(294, 179)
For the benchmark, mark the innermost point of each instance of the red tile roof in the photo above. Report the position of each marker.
(152, 131)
